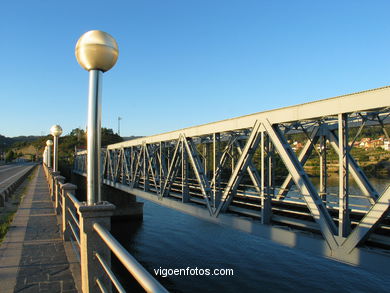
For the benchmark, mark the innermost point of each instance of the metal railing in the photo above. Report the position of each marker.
(144, 278)
(68, 206)
(72, 211)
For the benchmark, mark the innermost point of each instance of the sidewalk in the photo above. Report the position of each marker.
(32, 256)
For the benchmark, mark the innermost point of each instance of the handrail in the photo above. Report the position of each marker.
(101, 286)
(110, 274)
(74, 233)
(74, 217)
(144, 278)
(74, 200)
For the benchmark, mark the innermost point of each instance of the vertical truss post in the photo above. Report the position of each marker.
(168, 155)
(160, 169)
(184, 175)
(163, 165)
(266, 210)
(122, 165)
(357, 173)
(344, 222)
(323, 168)
(205, 157)
(131, 164)
(270, 169)
(232, 156)
(216, 177)
(214, 169)
(145, 167)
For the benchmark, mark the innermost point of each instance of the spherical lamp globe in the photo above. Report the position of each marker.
(56, 130)
(49, 142)
(96, 50)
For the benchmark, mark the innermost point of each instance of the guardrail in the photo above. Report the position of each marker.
(87, 228)
(11, 187)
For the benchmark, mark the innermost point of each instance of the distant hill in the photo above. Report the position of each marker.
(130, 137)
(7, 142)
(28, 145)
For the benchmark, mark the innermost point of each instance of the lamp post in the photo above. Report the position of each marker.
(49, 143)
(44, 158)
(56, 131)
(96, 52)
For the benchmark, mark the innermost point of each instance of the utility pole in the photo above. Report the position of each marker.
(119, 125)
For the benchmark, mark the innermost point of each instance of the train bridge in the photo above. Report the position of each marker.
(244, 173)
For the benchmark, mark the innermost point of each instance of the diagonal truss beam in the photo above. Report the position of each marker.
(373, 217)
(313, 201)
(118, 164)
(151, 165)
(198, 170)
(303, 157)
(222, 160)
(252, 171)
(242, 164)
(173, 168)
(137, 168)
(357, 173)
(126, 163)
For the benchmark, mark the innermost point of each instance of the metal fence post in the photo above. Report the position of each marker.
(91, 243)
(66, 188)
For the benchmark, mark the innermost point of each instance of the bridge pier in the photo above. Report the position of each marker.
(127, 207)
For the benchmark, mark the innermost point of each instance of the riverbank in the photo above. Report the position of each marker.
(372, 170)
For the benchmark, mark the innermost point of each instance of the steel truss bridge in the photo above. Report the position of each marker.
(244, 173)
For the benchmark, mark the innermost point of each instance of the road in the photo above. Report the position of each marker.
(10, 173)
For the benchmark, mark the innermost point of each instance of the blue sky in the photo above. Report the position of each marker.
(185, 62)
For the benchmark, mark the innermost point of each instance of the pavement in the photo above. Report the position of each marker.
(32, 256)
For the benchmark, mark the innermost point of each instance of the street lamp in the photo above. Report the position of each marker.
(96, 52)
(56, 131)
(49, 143)
(45, 156)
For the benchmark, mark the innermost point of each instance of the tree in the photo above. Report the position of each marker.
(10, 156)
(109, 137)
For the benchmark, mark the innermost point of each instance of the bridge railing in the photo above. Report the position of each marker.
(87, 228)
(144, 278)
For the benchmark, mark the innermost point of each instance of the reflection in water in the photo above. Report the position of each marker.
(169, 239)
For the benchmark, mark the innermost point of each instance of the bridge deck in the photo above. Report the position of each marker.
(32, 256)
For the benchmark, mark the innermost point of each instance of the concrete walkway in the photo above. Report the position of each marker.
(32, 256)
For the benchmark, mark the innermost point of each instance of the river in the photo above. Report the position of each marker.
(168, 239)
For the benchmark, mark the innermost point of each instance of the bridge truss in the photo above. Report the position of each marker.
(244, 172)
